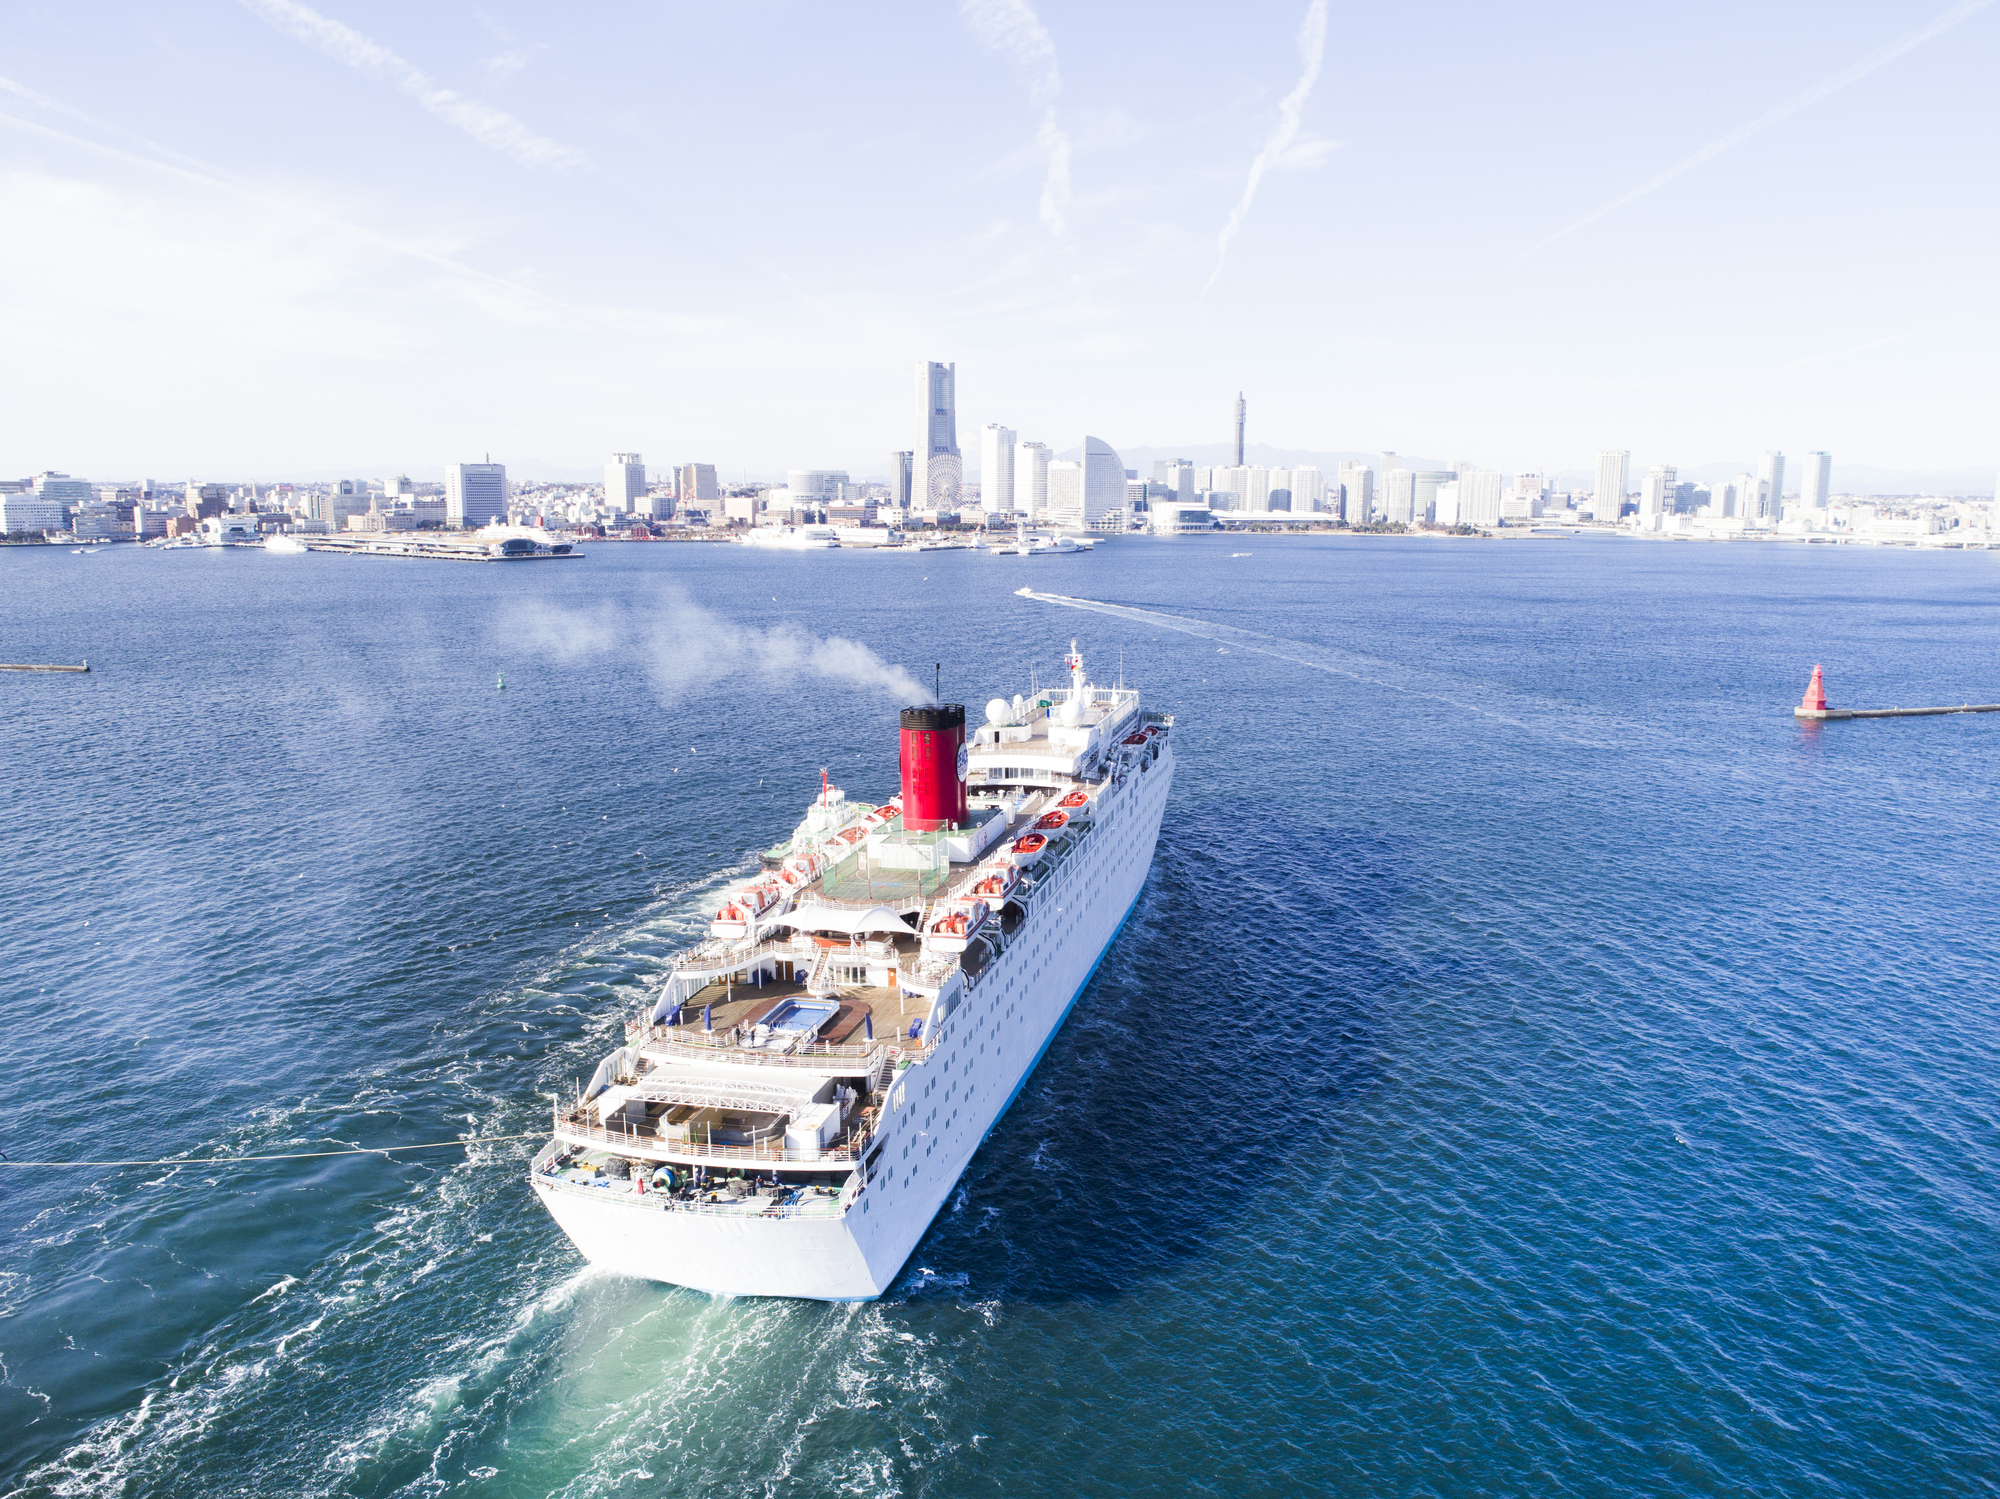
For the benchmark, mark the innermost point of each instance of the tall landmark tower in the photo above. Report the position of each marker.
(938, 465)
(1239, 428)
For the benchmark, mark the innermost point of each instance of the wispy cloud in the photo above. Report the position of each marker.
(1821, 90)
(1283, 148)
(489, 126)
(1012, 29)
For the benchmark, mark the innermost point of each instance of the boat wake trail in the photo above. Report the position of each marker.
(1359, 668)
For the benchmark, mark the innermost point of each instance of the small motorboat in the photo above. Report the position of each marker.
(954, 931)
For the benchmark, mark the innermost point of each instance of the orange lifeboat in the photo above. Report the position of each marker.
(752, 901)
(1026, 850)
(998, 883)
(852, 837)
(801, 870)
(954, 931)
(1053, 822)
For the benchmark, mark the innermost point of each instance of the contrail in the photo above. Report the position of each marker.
(204, 174)
(1011, 28)
(1828, 86)
(1312, 49)
(485, 124)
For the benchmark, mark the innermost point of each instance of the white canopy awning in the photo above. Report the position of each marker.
(817, 918)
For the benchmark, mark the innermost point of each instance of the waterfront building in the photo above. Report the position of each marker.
(1444, 504)
(1308, 487)
(1751, 495)
(996, 467)
(1423, 502)
(1103, 482)
(1399, 496)
(27, 512)
(1654, 495)
(1031, 478)
(1064, 492)
(475, 494)
(939, 469)
(1357, 493)
(1816, 481)
(694, 484)
(1771, 473)
(625, 484)
(1479, 496)
(901, 468)
(1610, 496)
(1256, 491)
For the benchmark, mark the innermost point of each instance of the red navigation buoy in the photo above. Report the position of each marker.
(1815, 701)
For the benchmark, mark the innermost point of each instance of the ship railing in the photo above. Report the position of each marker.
(843, 1151)
(694, 1044)
(663, 1202)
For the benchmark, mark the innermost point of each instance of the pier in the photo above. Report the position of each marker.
(23, 666)
(1814, 707)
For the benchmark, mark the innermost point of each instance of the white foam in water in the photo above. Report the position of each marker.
(1350, 664)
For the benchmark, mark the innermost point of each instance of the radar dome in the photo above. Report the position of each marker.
(1071, 711)
(997, 711)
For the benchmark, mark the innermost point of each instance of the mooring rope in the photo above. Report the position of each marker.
(302, 1155)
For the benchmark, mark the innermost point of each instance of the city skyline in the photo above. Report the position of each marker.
(321, 237)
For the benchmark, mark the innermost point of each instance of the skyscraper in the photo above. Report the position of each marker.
(1240, 411)
(1657, 497)
(901, 467)
(694, 484)
(996, 468)
(1357, 493)
(625, 483)
(1610, 484)
(1103, 481)
(939, 468)
(1771, 469)
(1399, 496)
(1031, 478)
(1817, 481)
(475, 494)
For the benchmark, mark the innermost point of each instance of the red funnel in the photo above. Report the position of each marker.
(1815, 694)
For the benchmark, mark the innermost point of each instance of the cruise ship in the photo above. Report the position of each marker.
(796, 1102)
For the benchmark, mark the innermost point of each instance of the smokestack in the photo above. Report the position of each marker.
(1239, 428)
(934, 767)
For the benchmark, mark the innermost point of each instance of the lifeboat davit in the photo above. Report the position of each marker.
(1053, 822)
(1026, 850)
(954, 931)
(997, 883)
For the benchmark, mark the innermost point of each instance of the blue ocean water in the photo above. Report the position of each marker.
(1537, 1064)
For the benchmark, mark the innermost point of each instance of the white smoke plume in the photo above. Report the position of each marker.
(686, 647)
(1312, 52)
(489, 126)
(1012, 29)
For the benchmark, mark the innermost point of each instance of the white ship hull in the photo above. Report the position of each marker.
(941, 1107)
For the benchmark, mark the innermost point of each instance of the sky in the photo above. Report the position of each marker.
(267, 238)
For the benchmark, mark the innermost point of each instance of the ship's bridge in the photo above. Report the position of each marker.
(1056, 736)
